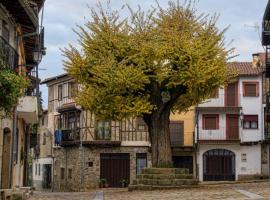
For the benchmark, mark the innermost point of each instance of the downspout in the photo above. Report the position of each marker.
(12, 146)
(196, 143)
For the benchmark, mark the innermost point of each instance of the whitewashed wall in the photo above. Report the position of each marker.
(252, 166)
(252, 106)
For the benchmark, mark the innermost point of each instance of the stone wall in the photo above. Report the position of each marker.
(73, 159)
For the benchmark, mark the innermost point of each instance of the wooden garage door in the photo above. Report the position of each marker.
(115, 167)
(218, 165)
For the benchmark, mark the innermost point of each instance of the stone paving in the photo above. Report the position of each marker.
(243, 191)
(63, 196)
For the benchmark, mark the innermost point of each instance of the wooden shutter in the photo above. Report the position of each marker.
(231, 95)
(177, 133)
(210, 121)
(250, 89)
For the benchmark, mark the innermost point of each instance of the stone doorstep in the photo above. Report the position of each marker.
(165, 176)
(167, 182)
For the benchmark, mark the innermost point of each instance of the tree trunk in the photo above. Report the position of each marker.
(158, 126)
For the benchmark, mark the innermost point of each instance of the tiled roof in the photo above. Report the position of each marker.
(244, 68)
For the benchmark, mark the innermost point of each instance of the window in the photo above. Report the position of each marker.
(214, 94)
(244, 157)
(69, 120)
(62, 173)
(72, 89)
(44, 139)
(176, 133)
(39, 169)
(250, 89)
(250, 121)
(36, 166)
(103, 130)
(60, 92)
(43, 121)
(210, 122)
(141, 162)
(141, 125)
(70, 173)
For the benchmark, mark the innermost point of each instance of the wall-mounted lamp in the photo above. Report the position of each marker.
(241, 117)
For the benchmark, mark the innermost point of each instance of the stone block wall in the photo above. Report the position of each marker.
(78, 169)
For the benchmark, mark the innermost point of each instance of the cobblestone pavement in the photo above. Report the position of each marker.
(244, 191)
(63, 196)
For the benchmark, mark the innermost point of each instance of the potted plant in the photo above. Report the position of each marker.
(102, 182)
(124, 183)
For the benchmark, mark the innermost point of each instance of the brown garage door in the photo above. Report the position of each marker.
(219, 165)
(115, 167)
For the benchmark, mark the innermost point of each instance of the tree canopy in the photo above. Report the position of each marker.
(124, 64)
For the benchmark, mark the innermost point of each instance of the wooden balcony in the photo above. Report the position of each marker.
(8, 56)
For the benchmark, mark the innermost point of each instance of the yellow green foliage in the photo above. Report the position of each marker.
(125, 66)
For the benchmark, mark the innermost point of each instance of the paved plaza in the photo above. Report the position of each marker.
(243, 191)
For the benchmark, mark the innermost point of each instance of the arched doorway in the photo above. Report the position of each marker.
(219, 165)
(5, 158)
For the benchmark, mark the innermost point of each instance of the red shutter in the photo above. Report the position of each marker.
(244, 90)
(257, 89)
(251, 118)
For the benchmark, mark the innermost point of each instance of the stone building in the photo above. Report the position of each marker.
(88, 150)
(20, 38)
(42, 155)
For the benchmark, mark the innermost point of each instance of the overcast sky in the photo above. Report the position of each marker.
(61, 16)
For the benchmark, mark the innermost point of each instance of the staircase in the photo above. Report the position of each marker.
(163, 178)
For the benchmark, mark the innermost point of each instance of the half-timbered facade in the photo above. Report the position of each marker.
(88, 149)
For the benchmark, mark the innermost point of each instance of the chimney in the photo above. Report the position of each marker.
(256, 62)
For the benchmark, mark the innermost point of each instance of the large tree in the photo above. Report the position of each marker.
(148, 64)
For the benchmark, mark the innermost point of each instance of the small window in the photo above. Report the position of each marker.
(44, 139)
(70, 173)
(214, 94)
(250, 121)
(103, 130)
(244, 157)
(39, 169)
(72, 89)
(250, 89)
(62, 173)
(60, 92)
(90, 164)
(211, 122)
(141, 162)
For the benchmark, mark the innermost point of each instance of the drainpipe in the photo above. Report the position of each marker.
(13, 147)
(196, 143)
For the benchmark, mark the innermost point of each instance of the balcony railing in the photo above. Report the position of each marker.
(221, 101)
(219, 134)
(8, 56)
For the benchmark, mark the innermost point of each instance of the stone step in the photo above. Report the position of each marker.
(165, 171)
(157, 187)
(165, 176)
(167, 182)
